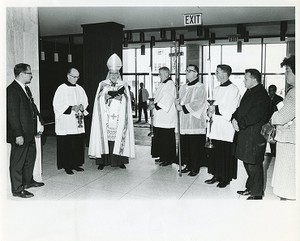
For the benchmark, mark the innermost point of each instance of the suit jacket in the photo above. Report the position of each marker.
(143, 95)
(21, 117)
(284, 119)
(251, 115)
(276, 99)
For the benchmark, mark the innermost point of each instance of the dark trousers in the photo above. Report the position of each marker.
(255, 180)
(273, 149)
(221, 161)
(163, 144)
(143, 106)
(193, 151)
(70, 151)
(22, 159)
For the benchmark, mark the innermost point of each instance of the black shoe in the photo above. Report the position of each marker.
(138, 121)
(33, 184)
(164, 164)
(192, 173)
(212, 180)
(69, 171)
(255, 198)
(100, 167)
(122, 166)
(185, 170)
(79, 169)
(246, 192)
(23, 194)
(222, 184)
(157, 160)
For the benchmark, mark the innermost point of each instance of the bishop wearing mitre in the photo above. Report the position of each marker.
(112, 135)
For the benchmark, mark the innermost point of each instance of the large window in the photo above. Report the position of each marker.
(136, 67)
(250, 57)
(266, 58)
(274, 73)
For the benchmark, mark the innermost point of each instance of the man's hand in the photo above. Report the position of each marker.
(177, 105)
(76, 108)
(235, 125)
(118, 97)
(211, 110)
(81, 107)
(20, 140)
(151, 105)
(40, 131)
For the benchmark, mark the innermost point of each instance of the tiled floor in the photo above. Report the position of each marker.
(142, 180)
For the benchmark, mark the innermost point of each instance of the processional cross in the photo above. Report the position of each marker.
(176, 57)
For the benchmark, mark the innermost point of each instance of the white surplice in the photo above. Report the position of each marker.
(66, 96)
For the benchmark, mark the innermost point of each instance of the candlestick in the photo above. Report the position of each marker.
(79, 116)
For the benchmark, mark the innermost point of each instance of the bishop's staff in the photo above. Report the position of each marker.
(177, 55)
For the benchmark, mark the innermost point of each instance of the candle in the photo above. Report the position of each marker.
(208, 82)
(151, 81)
(211, 88)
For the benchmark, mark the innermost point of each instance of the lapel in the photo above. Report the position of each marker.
(24, 97)
(20, 90)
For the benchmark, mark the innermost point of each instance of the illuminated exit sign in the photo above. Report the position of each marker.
(192, 19)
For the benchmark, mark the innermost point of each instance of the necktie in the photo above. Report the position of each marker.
(35, 109)
(29, 94)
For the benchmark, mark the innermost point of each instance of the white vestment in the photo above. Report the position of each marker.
(112, 121)
(66, 96)
(227, 99)
(164, 97)
(193, 97)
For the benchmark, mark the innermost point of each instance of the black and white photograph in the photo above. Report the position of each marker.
(149, 121)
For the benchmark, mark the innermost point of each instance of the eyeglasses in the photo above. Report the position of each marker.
(27, 73)
(75, 77)
(190, 70)
(114, 73)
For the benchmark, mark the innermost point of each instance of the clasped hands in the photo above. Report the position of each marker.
(151, 105)
(177, 105)
(211, 110)
(78, 108)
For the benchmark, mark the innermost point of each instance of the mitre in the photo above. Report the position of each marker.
(114, 63)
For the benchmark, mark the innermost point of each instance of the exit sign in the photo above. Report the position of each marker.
(192, 19)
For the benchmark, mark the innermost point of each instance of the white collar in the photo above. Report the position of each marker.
(20, 83)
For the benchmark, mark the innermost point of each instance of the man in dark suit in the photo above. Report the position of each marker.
(142, 105)
(275, 99)
(248, 120)
(21, 129)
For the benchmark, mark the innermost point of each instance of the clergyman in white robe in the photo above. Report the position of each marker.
(112, 135)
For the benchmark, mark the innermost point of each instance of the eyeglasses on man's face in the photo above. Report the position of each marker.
(75, 77)
(29, 73)
(190, 70)
(114, 73)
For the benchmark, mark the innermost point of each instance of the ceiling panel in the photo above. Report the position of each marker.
(68, 20)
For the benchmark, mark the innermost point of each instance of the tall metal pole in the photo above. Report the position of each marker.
(151, 100)
(177, 55)
(177, 51)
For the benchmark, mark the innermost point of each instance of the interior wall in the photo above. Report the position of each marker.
(53, 74)
(22, 47)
